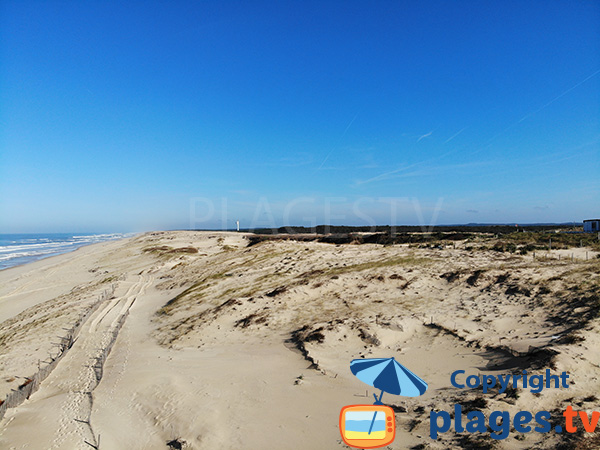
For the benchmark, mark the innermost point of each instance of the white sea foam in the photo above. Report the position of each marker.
(21, 249)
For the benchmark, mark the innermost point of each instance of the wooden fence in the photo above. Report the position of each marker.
(18, 396)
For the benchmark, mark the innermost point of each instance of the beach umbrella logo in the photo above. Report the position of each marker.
(372, 426)
(389, 376)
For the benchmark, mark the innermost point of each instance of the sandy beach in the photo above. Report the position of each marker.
(222, 344)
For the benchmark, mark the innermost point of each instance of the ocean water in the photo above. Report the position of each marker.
(17, 249)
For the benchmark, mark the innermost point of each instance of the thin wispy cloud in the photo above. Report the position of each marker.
(530, 165)
(455, 135)
(532, 113)
(349, 125)
(386, 175)
(423, 136)
(403, 172)
(341, 137)
(576, 85)
(392, 173)
(559, 156)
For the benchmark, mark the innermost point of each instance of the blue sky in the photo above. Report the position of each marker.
(121, 116)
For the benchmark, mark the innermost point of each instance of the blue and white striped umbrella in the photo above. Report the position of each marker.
(389, 376)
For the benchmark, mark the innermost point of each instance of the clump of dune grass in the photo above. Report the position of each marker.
(384, 263)
(166, 251)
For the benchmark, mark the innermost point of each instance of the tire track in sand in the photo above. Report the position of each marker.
(76, 410)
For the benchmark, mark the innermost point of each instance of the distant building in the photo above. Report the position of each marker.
(591, 225)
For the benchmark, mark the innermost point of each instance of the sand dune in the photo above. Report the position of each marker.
(225, 345)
